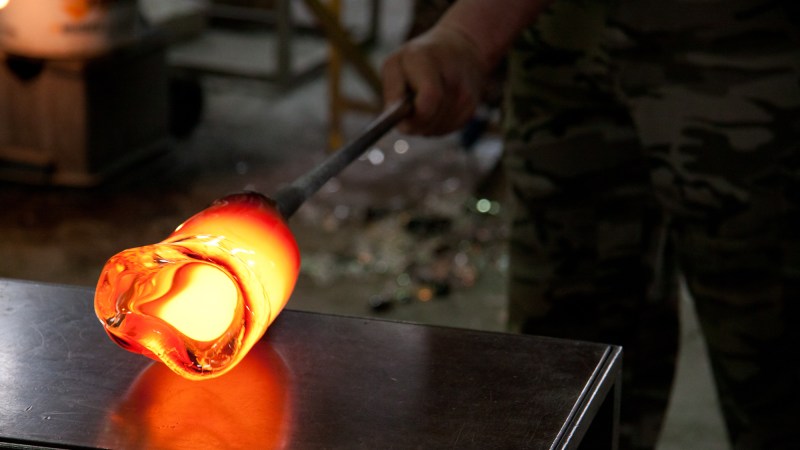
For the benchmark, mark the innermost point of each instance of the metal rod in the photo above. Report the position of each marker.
(289, 198)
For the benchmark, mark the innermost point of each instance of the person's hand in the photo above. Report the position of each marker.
(444, 72)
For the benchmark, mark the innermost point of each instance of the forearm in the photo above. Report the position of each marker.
(491, 25)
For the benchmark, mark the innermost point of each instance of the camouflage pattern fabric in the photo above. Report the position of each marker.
(645, 135)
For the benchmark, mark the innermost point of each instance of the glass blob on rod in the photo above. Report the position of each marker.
(199, 300)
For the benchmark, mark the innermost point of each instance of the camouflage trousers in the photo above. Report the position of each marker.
(649, 138)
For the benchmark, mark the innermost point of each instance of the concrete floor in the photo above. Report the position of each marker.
(380, 240)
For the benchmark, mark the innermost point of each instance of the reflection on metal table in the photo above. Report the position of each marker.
(313, 381)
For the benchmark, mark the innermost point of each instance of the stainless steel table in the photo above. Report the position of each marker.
(314, 381)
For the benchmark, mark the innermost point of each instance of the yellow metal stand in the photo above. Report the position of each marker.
(343, 49)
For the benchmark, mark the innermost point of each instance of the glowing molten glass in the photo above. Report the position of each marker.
(200, 299)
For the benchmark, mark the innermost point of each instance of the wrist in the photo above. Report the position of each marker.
(490, 27)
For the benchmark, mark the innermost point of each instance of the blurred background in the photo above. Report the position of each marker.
(413, 222)
(119, 122)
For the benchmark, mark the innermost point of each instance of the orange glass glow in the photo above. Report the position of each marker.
(251, 407)
(200, 299)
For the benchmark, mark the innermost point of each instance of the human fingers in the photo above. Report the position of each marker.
(423, 78)
(393, 79)
(416, 69)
